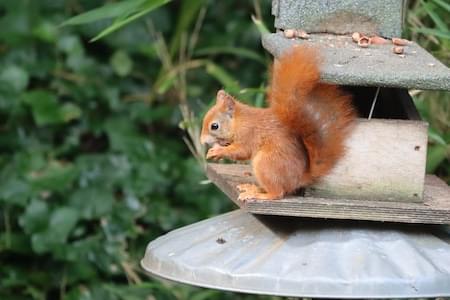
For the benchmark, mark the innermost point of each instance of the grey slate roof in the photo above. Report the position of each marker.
(345, 63)
(384, 17)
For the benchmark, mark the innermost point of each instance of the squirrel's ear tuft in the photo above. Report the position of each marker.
(225, 101)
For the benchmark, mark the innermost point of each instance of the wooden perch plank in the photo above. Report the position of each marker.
(434, 210)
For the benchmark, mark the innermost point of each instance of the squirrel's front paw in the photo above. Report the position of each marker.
(215, 153)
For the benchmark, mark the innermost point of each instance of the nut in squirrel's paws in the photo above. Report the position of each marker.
(215, 153)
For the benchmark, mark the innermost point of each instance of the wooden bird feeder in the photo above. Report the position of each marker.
(382, 176)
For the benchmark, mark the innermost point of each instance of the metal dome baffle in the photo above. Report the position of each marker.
(289, 256)
(265, 248)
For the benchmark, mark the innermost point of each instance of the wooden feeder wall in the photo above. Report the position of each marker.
(386, 156)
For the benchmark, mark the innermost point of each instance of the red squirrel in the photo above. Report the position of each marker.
(292, 143)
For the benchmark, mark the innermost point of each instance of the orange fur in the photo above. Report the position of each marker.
(324, 115)
(295, 141)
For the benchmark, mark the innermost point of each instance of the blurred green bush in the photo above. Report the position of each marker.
(92, 161)
(429, 25)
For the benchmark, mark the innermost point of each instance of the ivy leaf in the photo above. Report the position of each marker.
(69, 112)
(46, 31)
(62, 221)
(46, 109)
(56, 176)
(15, 77)
(14, 191)
(92, 202)
(71, 45)
(15, 242)
(121, 63)
(103, 171)
(35, 218)
(124, 137)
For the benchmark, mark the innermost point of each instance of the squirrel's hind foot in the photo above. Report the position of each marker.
(250, 192)
(250, 196)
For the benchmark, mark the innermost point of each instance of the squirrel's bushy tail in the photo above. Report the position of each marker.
(321, 114)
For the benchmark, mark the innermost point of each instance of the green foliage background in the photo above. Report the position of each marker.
(92, 159)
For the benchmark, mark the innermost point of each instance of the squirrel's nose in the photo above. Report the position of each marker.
(202, 139)
(205, 139)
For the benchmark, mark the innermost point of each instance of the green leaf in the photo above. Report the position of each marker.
(35, 218)
(260, 25)
(444, 5)
(166, 83)
(44, 107)
(71, 45)
(110, 10)
(229, 83)
(70, 111)
(431, 31)
(430, 9)
(124, 137)
(15, 77)
(242, 52)
(205, 295)
(435, 156)
(92, 202)
(120, 22)
(103, 171)
(187, 14)
(46, 31)
(121, 63)
(62, 221)
(17, 242)
(14, 191)
(56, 176)
(436, 137)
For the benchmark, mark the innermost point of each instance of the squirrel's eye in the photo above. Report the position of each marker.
(214, 126)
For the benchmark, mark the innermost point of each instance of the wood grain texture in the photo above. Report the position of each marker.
(385, 159)
(435, 208)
